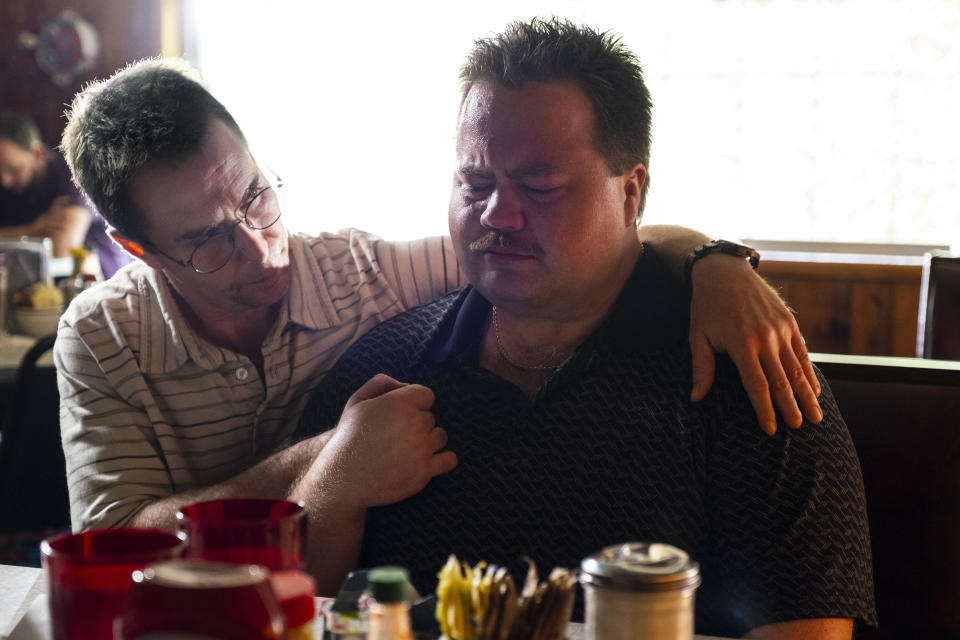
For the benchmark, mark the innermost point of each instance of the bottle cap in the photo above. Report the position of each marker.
(388, 584)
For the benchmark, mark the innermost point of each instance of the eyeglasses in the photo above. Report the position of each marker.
(260, 212)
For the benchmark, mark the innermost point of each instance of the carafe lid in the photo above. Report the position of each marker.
(641, 566)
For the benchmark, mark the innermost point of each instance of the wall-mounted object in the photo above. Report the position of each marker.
(65, 47)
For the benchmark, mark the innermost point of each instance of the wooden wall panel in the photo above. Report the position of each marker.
(858, 309)
(128, 30)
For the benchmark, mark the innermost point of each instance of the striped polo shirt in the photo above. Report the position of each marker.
(149, 408)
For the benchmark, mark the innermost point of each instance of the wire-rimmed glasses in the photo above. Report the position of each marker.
(260, 212)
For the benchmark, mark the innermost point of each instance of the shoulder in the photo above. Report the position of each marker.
(347, 258)
(343, 245)
(396, 347)
(400, 343)
(109, 312)
(796, 500)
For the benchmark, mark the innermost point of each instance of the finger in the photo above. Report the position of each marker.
(800, 349)
(374, 388)
(803, 395)
(704, 366)
(781, 390)
(442, 462)
(420, 396)
(438, 439)
(755, 384)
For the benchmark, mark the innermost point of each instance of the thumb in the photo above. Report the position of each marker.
(374, 388)
(704, 366)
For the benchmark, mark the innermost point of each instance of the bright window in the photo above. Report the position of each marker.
(836, 120)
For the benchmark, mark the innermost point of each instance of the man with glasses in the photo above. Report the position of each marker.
(183, 377)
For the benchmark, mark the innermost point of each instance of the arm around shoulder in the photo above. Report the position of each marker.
(420, 270)
(733, 310)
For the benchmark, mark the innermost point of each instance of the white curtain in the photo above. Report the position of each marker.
(834, 120)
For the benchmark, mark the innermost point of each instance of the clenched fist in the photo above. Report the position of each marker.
(387, 446)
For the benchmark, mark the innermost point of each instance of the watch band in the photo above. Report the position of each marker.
(720, 246)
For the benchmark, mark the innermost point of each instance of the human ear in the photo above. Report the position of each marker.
(633, 181)
(39, 153)
(132, 247)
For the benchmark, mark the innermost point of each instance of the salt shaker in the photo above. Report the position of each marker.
(639, 590)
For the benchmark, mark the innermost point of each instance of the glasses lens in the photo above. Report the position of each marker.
(214, 253)
(264, 210)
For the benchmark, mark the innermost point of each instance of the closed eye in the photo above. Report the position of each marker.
(475, 190)
(214, 231)
(543, 190)
(253, 192)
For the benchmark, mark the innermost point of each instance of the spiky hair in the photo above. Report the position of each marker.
(555, 50)
(152, 110)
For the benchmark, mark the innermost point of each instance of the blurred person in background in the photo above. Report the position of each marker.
(38, 198)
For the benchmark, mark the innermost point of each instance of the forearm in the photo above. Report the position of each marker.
(274, 478)
(73, 221)
(814, 629)
(672, 242)
(14, 232)
(65, 225)
(335, 537)
(336, 522)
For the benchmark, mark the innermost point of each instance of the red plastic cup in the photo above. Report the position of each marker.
(272, 533)
(199, 599)
(89, 576)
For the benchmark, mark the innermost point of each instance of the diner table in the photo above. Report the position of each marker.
(12, 349)
(23, 607)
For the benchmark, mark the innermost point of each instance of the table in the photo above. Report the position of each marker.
(12, 349)
(20, 587)
(23, 607)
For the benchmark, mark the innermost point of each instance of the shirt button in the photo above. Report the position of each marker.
(242, 374)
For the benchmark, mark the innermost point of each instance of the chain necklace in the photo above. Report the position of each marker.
(508, 359)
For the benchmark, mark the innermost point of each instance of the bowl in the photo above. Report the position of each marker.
(37, 322)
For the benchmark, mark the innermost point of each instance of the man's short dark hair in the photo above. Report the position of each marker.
(604, 68)
(18, 129)
(154, 110)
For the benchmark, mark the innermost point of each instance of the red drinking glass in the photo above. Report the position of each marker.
(199, 599)
(272, 533)
(89, 576)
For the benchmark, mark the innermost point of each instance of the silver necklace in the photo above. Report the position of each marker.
(508, 359)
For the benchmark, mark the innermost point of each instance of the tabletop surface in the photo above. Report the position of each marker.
(23, 607)
(14, 346)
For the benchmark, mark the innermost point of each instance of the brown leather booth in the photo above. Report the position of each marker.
(904, 416)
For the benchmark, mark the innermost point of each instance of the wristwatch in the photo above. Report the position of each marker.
(720, 246)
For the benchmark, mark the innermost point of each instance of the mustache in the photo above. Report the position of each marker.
(504, 241)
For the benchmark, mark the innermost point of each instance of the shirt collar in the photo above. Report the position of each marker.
(459, 332)
(167, 339)
(308, 302)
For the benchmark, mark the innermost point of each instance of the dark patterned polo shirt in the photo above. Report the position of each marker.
(610, 449)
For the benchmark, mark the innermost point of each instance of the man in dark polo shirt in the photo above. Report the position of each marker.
(560, 373)
(38, 198)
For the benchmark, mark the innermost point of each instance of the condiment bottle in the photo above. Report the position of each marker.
(389, 611)
(639, 590)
